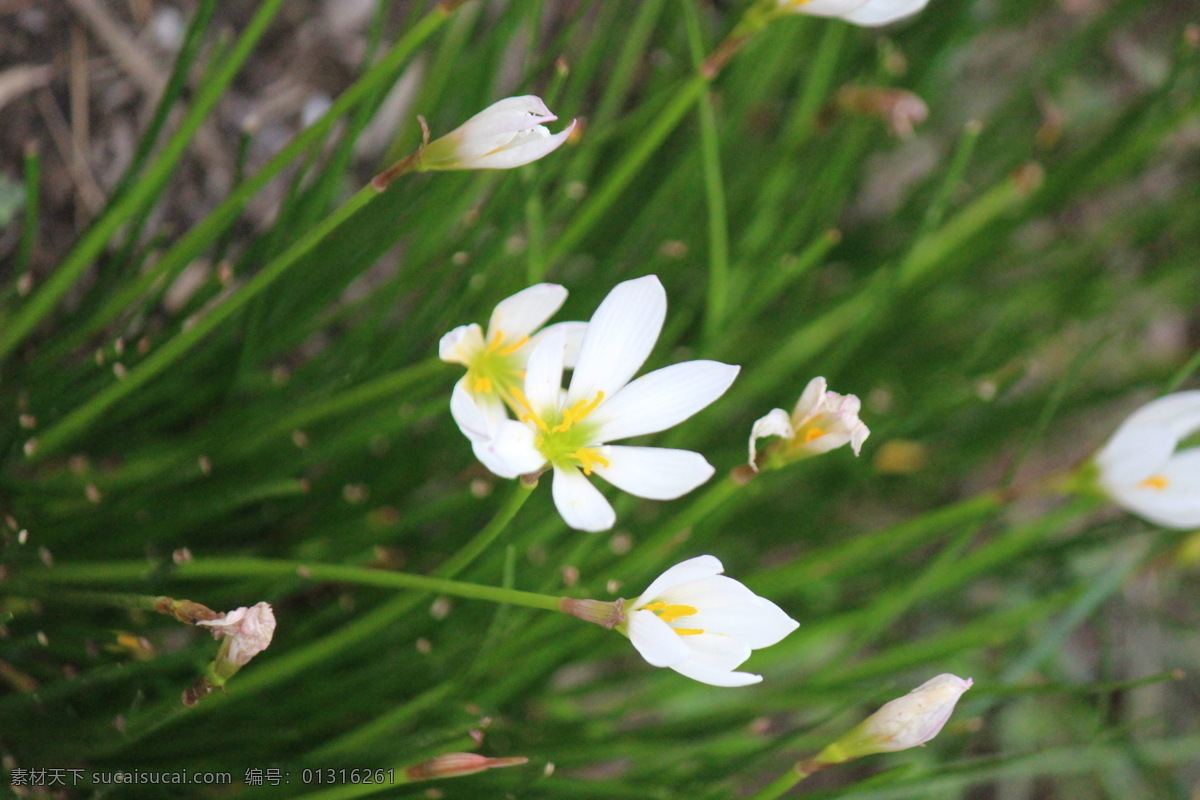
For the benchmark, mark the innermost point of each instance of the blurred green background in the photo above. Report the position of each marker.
(199, 352)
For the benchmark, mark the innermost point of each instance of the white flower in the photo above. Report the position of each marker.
(249, 631)
(821, 421)
(504, 135)
(570, 431)
(1141, 469)
(905, 722)
(495, 360)
(860, 12)
(703, 625)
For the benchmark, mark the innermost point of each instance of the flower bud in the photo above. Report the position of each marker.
(455, 765)
(908, 721)
(504, 135)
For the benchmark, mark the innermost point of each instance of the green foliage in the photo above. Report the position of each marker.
(998, 289)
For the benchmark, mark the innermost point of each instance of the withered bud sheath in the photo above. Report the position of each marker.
(185, 611)
(899, 109)
(605, 614)
(454, 765)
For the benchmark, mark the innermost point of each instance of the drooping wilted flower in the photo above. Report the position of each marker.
(246, 631)
(702, 624)
(504, 135)
(821, 421)
(860, 12)
(1142, 469)
(570, 431)
(905, 722)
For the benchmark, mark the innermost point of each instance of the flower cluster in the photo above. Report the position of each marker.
(513, 369)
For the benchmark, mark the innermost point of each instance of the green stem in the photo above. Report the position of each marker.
(140, 193)
(278, 669)
(222, 568)
(714, 186)
(61, 432)
(798, 772)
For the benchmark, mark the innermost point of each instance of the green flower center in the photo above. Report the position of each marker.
(496, 369)
(564, 436)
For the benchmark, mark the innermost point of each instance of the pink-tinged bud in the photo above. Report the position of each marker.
(247, 631)
(455, 765)
(908, 721)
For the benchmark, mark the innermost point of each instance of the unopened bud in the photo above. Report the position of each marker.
(908, 721)
(454, 765)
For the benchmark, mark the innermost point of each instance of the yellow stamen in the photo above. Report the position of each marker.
(1157, 482)
(529, 415)
(813, 433)
(688, 631)
(483, 385)
(670, 613)
(578, 413)
(588, 458)
(495, 343)
(515, 346)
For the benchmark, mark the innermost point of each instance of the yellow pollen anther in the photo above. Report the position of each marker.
(483, 385)
(688, 631)
(813, 433)
(525, 411)
(1158, 482)
(495, 343)
(589, 458)
(515, 346)
(670, 613)
(578, 413)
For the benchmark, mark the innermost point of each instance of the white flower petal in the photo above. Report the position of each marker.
(497, 124)
(619, 338)
(715, 677)
(656, 473)
(459, 345)
(760, 625)
(573, 331)
(662, 399)
(1134, 453)
(1174, 505)
(477, 420)
(824, 8)
(1178, 412)
(881, 12)
(526, 311)
(544, 371)
(510, 451)
(810, 399)
(713, 591)
(775, 423)
(714, 650)
(693, 569)
(526, 147)
(581, 504)
(656, 641)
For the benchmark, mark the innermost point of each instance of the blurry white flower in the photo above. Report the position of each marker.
(860, 12)
(247, 632)
(1141, 469)
(495, 360)
(703, 625)
(821, 421)
(569, 431)
(504, 135)
(905, 722)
